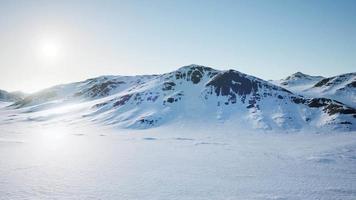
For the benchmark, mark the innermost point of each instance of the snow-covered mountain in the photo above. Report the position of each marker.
(10, 97)
(340, 88)
(298, 81)
(192, 95)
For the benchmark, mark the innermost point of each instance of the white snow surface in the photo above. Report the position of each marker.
(85, 161)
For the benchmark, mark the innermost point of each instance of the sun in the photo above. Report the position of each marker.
(50, 49)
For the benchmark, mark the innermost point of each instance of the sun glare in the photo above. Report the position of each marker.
(49, 49)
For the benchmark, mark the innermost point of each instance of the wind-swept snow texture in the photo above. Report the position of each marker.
(191, 94)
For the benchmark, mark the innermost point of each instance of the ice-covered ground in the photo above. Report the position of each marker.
(82, 161)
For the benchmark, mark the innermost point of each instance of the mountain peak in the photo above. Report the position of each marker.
(298, 75)
(195, 66)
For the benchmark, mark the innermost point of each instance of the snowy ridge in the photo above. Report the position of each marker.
(298, 82)
(340, 88)
(192, 94)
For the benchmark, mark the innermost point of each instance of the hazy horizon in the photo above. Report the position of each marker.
(45, 43)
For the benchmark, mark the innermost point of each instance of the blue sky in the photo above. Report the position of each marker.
(268, 39)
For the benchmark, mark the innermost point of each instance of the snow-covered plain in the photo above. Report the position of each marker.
(59, 160)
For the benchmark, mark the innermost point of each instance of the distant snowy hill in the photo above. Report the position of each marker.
(9, 97)
(340, 88)
(192, 95)
(81, 91)
(298, 81)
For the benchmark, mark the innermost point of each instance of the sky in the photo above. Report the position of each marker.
(43, 43)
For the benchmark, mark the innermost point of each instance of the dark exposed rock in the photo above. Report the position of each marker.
(99, 105)
(236, 85)
(322, 82)
(194, 73)
(298, 100)
(122, 100)
(196, 76)
(284, 83)
(339, 109)
(331, 107)
(232, 81)
(138, 98)
(250, 106)
(319, 102)
(170, 100)
(239, 83)
(174, 98)
(168, 86)
(180, 75)
(100, 89)
(152, 98)
(345, 123)
(352, 84)
(147, 121)
(232, 98)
